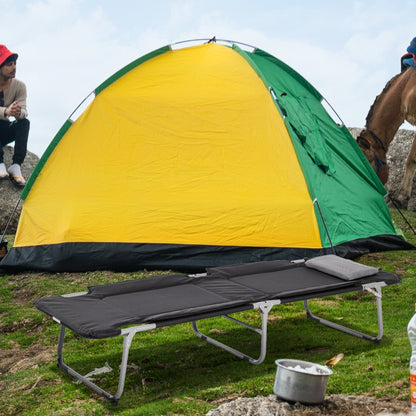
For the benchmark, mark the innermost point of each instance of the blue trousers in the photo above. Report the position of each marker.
(16, 131)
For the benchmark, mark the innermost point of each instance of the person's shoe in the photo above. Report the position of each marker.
(3, 171)
(16, 175)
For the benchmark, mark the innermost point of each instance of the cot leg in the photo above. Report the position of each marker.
(376, 291)
(123, 368)
(264, 309)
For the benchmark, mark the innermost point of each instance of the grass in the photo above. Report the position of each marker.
(172, 372)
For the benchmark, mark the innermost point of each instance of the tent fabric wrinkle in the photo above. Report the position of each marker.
(213, 172)
(305, 126)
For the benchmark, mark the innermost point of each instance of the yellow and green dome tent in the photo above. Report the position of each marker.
(200, 156)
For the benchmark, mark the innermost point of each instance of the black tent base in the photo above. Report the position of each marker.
(79, 257)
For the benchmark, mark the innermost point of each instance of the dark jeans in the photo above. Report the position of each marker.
(16, 131)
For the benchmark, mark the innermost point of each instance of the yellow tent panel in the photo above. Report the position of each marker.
(191, 136)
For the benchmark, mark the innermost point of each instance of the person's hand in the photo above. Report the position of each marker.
(13, 110)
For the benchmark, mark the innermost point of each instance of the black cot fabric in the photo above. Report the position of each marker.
(101, 315)
(105, 309)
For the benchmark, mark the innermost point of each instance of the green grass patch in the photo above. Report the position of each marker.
(172, 372)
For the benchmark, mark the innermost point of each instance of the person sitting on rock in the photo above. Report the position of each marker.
(14, 126)
(409, 58)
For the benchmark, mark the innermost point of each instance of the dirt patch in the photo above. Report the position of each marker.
(16, 359)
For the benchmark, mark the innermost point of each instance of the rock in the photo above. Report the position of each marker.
(334, 405)
(10, 193)
(396, 159)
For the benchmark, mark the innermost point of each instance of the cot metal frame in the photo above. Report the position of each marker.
(264, 307)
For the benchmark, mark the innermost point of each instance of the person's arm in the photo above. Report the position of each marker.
(14, 101)
(18, 107)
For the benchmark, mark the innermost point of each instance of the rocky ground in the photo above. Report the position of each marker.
(334, 405)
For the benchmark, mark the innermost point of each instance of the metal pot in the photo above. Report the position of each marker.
(300, 384)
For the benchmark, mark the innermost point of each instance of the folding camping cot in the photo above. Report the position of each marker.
(128, 307)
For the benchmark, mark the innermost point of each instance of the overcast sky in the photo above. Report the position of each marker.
(347, 49)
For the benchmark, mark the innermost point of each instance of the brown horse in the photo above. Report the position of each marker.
(395, 104)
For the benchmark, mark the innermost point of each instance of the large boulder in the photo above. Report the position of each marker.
(396, 159)
(10, 193)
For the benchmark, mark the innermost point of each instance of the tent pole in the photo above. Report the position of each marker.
(8, 222)
(315, 201)
(400, 212)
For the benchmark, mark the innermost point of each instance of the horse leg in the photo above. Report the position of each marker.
(405, 189)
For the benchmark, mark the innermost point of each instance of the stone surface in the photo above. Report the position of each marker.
(396, 158)
(334, 405)
(10, 193)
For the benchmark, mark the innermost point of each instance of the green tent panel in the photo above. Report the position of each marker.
(195, 157)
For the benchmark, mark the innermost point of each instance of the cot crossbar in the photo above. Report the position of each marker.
(264, 308)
